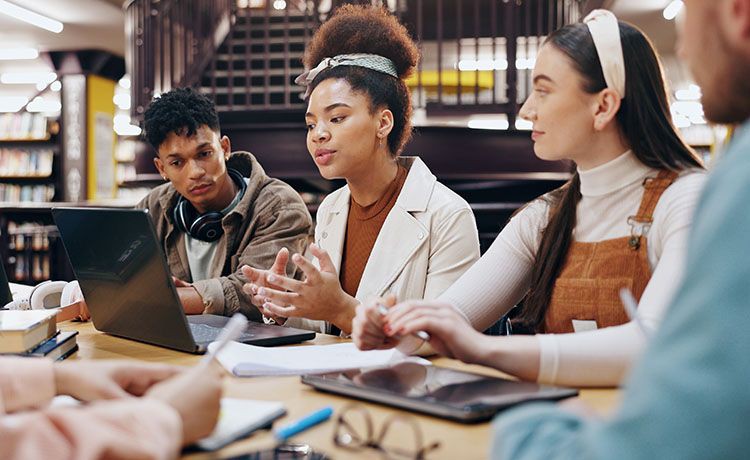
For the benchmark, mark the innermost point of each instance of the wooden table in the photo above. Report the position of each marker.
(458, 441)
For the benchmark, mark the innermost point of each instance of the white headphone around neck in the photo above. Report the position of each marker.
(49, 294)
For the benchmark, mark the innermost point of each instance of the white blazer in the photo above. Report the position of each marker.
(428, 240)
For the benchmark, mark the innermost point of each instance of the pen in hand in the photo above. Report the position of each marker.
(420, 334)
(231, 331)
(410, 344)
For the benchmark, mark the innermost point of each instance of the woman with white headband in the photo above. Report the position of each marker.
(393, 229)
(621, 222)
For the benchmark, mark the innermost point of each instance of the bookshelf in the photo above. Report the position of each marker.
(29, 158)
(30, 179)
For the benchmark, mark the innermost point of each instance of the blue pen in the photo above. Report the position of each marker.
(308, 421)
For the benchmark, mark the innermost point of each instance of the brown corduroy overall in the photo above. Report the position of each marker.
(593, 274)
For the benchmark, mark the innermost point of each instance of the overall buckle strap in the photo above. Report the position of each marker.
(640, 223)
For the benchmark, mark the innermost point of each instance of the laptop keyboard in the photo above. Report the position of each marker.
(203, 333)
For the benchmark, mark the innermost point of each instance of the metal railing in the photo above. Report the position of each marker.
(477, 55)
(170, 42)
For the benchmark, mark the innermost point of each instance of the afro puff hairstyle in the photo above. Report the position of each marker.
(181, 111)
(365, 29)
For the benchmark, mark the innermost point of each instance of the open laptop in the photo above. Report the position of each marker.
(129, 290)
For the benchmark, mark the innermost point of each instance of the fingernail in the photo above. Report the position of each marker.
(271, 278)
(296, 257)
(254, 288)
(387, 329)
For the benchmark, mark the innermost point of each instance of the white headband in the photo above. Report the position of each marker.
(368, 61)
(606, 34)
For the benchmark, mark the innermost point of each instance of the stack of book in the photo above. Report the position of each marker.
(34, 333)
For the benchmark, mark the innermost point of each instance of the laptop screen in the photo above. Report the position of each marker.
(123, 274)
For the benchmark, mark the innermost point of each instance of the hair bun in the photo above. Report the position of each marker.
(363, 29)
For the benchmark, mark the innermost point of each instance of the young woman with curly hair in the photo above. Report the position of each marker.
(393, 229)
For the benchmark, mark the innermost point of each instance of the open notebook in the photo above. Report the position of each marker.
(239, 418)
(251, 361)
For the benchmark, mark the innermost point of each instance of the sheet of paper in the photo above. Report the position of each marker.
(250, 361)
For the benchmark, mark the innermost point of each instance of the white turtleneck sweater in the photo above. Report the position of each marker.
(610, 193)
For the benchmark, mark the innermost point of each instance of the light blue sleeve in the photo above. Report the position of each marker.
(689, 397)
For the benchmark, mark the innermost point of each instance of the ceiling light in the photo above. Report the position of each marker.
(122, 100)
(56, 86)
(30, 17)
(485, 123)
(121, 119)
(279, 4)
(12, 103)
(687, 108)
(672, 10)
(470, 65)
(39, 104)
(524, 125)
(127, 130)
(28, 78)
(685, 95)
(525, 64)
(122, 126)
(14, 54)
(124, 82)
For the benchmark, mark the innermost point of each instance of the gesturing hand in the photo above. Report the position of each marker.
(259, 278)
(319, 296)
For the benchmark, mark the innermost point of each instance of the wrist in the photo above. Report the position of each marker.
(488, 351)
(345, 313)
(61, 374)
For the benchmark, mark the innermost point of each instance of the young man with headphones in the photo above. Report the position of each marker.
(218, 210)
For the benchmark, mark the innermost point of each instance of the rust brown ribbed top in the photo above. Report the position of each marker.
(362, 228)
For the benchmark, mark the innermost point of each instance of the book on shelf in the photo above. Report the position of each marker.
(23, 330)
(26, 162)
(57, 347)
(23, 126)
(33, 193)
